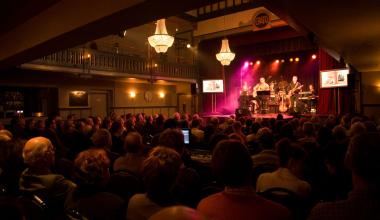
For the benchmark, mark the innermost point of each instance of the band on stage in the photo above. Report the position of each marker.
(279, 97)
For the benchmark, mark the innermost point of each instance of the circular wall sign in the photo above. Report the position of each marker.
(261, 20)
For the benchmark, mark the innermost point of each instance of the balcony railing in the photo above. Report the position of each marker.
(77, 58)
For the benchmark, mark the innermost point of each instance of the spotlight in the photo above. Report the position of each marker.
(277, 61)
(246, 63)
(314, 57)
(188, 45)
(282, 61)
(291, 59)
(251, 63)
(155, 65)
(258, 62)
(297, 59)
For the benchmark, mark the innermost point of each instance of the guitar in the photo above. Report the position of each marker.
(282, 108)
(292, 91)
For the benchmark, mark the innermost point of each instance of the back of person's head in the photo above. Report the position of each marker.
(355, 119)
(170, 123)
(339, 132)
(286, 151)
(308, 129)
(370, 126)
(280, 117)
(177, 213)
(363, 157)
(232, 164)
(160, 170)
(266, 139)
(6, 133)
(255, 127)
(195, 123)
(133, 143)
(38, 152)
(91, 167)
(357, 128)
(117, 126)
(102, 138)
(172, 138)
(214, 121)
(215, 139)
(50, 123)
(236, 126)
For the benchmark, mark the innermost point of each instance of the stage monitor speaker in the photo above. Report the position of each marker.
(193, 88)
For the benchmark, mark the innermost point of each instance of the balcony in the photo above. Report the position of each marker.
(76, 59)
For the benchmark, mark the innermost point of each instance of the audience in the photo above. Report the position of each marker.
(232, 165)
(91, 173)
(132, 161)
(291, 158)
(160, 170)
(308, 158)
(38, 178)
(363, 202)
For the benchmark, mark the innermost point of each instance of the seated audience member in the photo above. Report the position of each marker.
(159, 171)
(291, 158)
(38, 179)
(232, 165)
(177, 213)
(102, 139)
(308, 132)
(340, 133)
(133, 159)
(11, 165)
(363, 202)
(117, 129)
(237, 129)
(267, 160)
(187, 187)
(357, 128)
(91, 172)
(197, 133)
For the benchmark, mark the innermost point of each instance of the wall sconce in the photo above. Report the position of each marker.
(132, 94)
(161, 95)
(78, 93)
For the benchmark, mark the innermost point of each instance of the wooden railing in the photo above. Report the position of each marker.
(78, 58)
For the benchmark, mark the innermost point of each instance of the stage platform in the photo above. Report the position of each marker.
(268, 115)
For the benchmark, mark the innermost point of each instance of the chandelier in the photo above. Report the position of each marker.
(225, 56)
(161, 40)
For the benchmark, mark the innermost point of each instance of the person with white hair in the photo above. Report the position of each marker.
(38, 178)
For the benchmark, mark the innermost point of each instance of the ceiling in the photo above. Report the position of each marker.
(349, 30)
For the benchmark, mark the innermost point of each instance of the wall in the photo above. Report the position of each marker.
(370, 94)
(117, 90)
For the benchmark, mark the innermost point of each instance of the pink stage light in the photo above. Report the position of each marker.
(246, 63)
(314, 57)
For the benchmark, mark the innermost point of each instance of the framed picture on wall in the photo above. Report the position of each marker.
(78, 99)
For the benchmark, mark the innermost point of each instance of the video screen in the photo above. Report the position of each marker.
(212, 86)
(186, 135)
(334, 78)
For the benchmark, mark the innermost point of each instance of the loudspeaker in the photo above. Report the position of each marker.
(193, 88)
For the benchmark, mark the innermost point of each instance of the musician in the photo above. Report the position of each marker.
(262, 85)
(293, 90)
(311, 90)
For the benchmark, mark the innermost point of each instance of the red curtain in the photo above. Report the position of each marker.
(332, 101)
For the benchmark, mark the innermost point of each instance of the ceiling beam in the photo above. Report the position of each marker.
(94, 28)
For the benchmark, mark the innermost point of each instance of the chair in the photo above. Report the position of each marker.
(125, 184)
(298, 206)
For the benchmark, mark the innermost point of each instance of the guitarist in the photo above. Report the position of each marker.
(293, 90)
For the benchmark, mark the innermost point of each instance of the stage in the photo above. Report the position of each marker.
(268, 115)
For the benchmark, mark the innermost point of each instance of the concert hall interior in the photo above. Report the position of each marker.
(203, 68)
